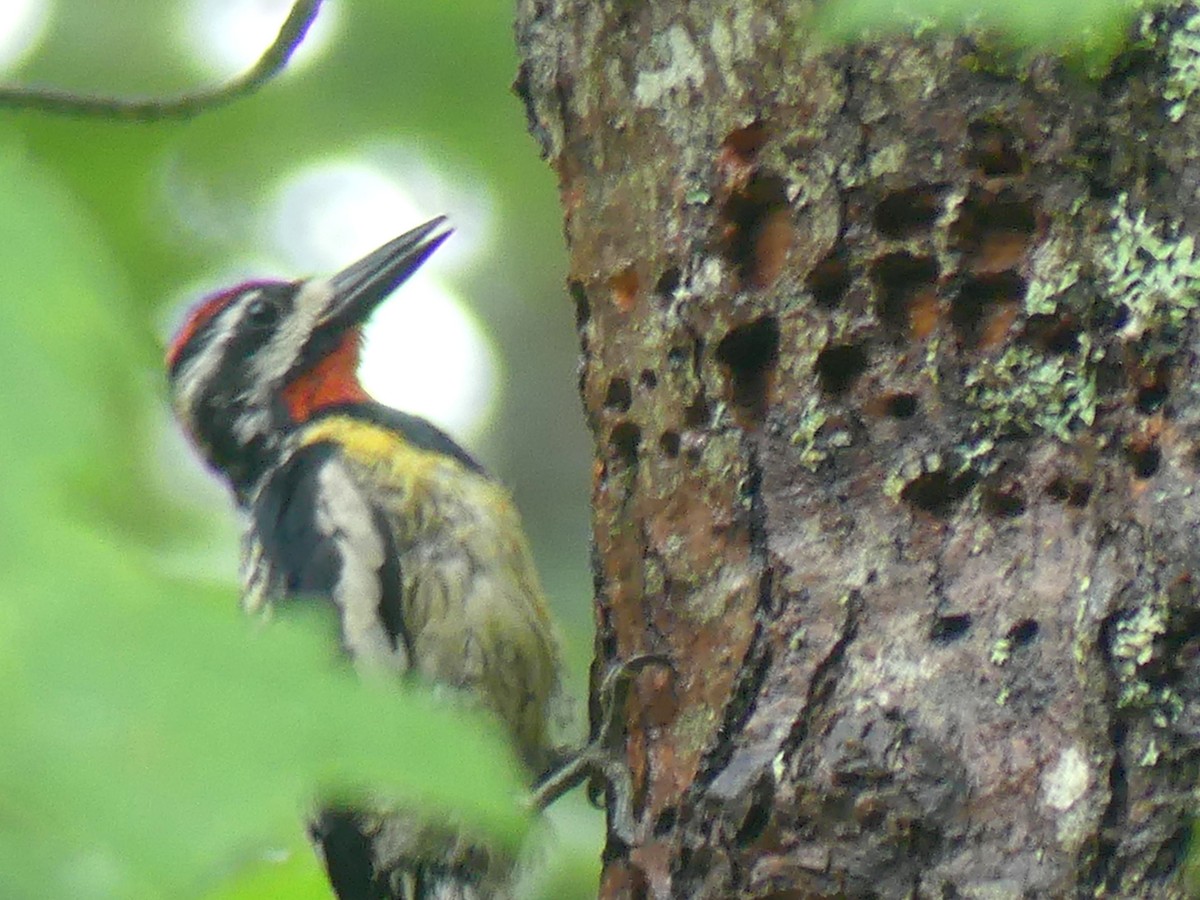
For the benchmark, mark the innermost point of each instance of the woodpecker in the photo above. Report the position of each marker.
(379, 514)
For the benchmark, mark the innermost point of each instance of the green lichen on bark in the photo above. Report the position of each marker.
(1183, 61)
(1024, 392)
(1153, 270)
(1135, 645)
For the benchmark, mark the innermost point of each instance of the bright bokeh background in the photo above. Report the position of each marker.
(391, 114)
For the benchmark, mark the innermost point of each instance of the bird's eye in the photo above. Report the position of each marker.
(261, 311)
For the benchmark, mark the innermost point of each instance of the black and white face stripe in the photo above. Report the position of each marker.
(237, 352)
(221, 391)
(227, 375)
(248, 349)
(291, 345)
(218, 315)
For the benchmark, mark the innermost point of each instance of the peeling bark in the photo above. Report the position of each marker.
(889, 355)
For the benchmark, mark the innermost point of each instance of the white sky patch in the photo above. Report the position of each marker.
(225, 37)
(327, 215)
(426, 353)
(330, 213)
(22, 27)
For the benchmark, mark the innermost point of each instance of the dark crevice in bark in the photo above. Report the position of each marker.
(825, 678)
(606, 636)
(756, 664)
(742, 698)
(757, 660)
(757, 526)
(523, 88)
(668, 282)
(697, 354)
(654, 640)
(1104, 872)
(758, 816)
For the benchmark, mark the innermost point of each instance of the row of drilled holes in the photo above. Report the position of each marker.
(992, 231)
(949, 628)
(991, 227)
(749, 354)
(992, 234)
(938, 492)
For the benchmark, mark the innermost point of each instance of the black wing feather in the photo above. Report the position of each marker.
(285, 520)
(305, 559)
(391, 608)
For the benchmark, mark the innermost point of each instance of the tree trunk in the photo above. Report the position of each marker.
(888, 351)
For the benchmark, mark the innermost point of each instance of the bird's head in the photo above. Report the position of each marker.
(250, 362)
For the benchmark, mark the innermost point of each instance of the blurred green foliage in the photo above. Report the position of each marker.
(155, 744)
(1089, 33)
(151, 739)
(177, 202)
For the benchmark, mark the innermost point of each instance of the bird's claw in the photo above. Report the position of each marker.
(602, 758)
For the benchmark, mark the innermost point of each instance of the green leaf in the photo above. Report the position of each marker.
(153, 741)
(292, 872)
(1093, 29)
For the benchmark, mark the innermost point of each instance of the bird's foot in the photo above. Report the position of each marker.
(602, 758)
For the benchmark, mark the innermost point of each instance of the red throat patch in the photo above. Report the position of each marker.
(332, 381)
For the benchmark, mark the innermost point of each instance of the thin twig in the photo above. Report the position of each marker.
(271, 63)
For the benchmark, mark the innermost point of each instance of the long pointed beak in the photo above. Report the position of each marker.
(362, 286)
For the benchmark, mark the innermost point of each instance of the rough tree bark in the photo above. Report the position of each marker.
(889, 352)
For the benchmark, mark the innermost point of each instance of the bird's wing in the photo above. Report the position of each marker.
(314, 533)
